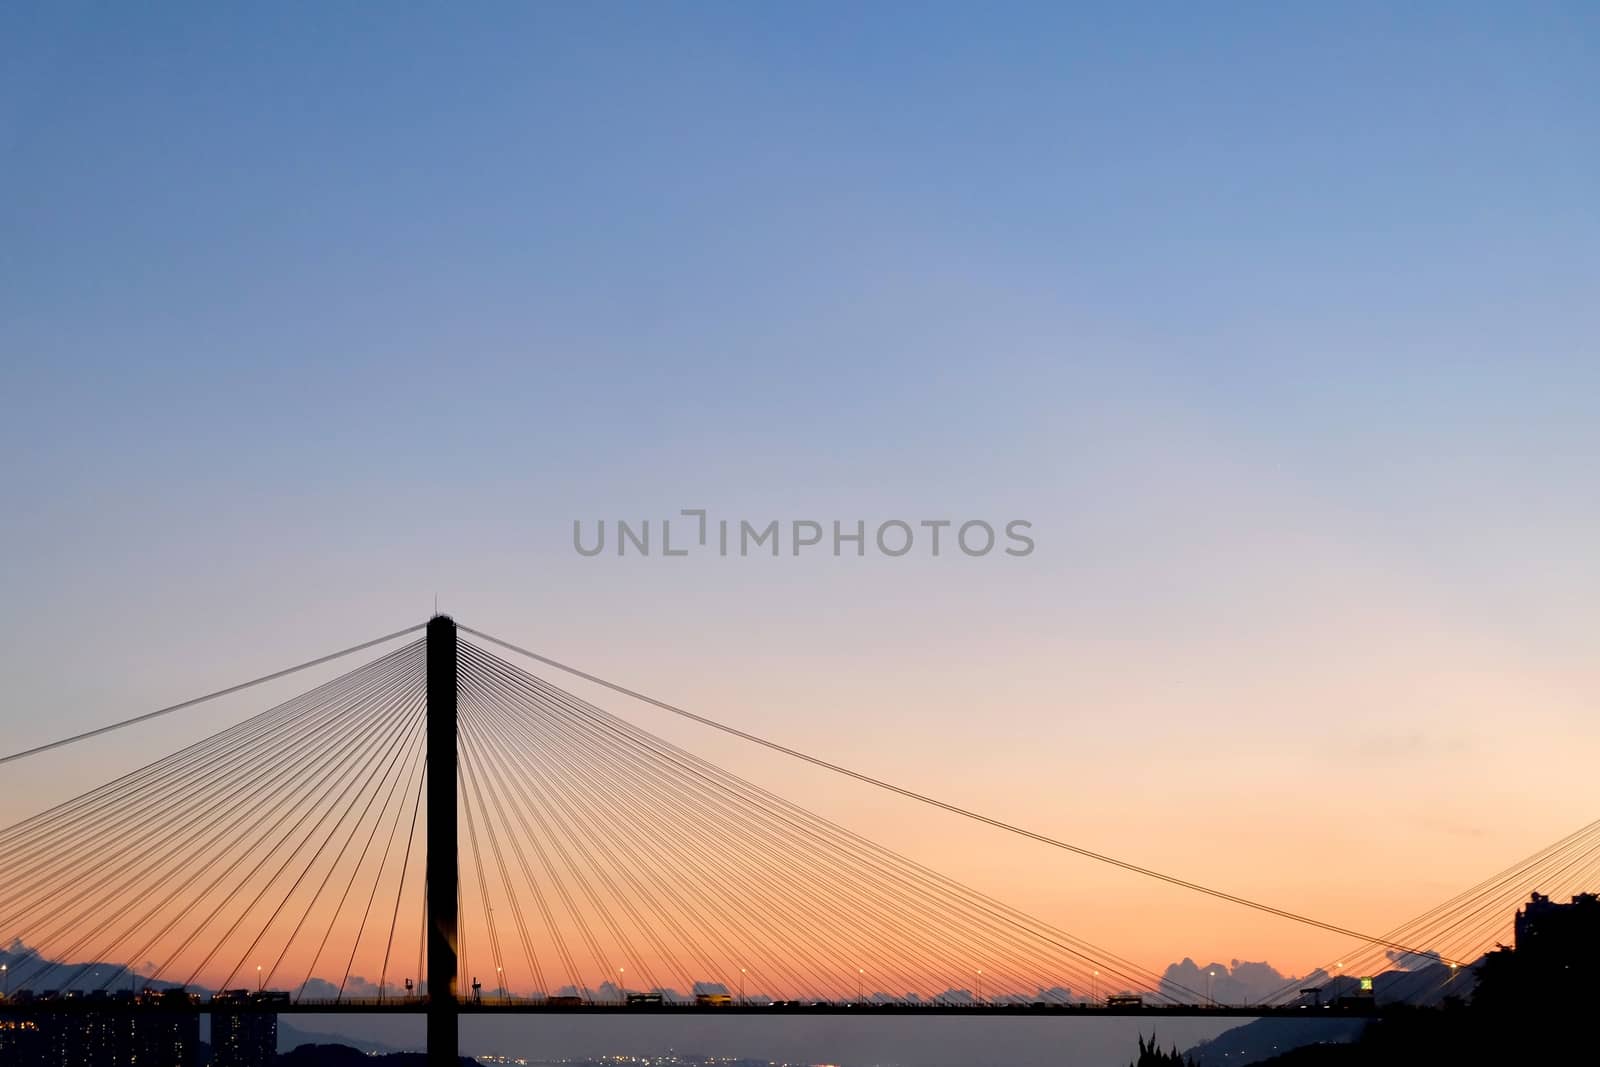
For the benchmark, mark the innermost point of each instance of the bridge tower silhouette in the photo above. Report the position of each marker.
(443, 876)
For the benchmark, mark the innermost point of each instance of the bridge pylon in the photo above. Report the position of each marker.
(444, 1009)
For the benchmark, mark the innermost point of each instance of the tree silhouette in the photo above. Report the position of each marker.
(1152, 1056)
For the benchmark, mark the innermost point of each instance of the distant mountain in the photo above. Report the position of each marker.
(346, 1056)
(25, 963)
(292, 1037)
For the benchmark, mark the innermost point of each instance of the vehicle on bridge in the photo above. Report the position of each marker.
(1125, 1000)
(713, 1000)
(564, 1002)
(636, 999)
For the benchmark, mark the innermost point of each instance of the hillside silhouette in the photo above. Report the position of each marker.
(1528, 1007)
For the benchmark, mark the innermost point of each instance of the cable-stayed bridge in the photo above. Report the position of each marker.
(442, 831)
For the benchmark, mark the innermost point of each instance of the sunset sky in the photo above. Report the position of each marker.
(1278, 326)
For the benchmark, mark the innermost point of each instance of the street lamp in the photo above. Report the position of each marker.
(1094, 988)
(741, 985)
(620, 994)
(5, 980)
(980, 985)
(860, 971)
(259, 979)
(1213, 1000)
(500, 978)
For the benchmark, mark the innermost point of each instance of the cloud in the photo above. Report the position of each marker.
(1403, 747)
(1236, 982)
(355, 988)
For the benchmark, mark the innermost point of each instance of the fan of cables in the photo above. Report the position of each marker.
(595, 860)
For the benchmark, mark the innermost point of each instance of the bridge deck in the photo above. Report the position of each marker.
(498, 1006)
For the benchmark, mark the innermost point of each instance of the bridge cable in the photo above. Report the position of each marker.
(1486, 904)
(602, 768)
(340, 759)
(730, 819)
(400, 884)
(628, 840)
(589, 817)
(402, 757)
(556, 789)
(163, 780)
(529, 764)
(417, 762)
(530, 956)
(379, 748)
(192, 817)
(420, 699)
(92, 863)
(169, 709)
(574, 974)
(821, 839)
(597, 842)
(744, 845)
(955, 809)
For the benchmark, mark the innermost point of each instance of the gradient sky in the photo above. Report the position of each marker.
(1277, 323)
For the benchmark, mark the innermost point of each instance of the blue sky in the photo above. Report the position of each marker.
(1277, 321)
